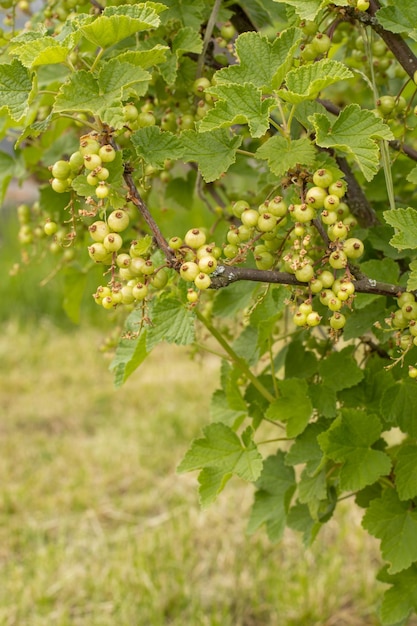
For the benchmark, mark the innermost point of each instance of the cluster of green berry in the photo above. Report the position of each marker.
(404, 322)
(91, 158)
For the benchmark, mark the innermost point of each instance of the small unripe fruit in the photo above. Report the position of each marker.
(107, 153)
(118, 221)
(113, 242)
(139, 291)
(189, 271)
(98, 230)
(313, 319)
(250, 217)
(202, 281)
(102, 190)
(50, 228)
(353, 248)
(207, 264)
(338, 260)
(60, 186)
(195, 238)
(322, 178)
(337, 321)
(61, 170)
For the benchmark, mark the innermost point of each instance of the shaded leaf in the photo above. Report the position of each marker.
(283, 154)
(214, 151)
(155, 146)
(405, 223)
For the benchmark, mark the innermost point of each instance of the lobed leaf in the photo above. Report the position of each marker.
(214, 151)
(283, 154)
(406, 472)
(44, 51)
(330, 369)
(238, 104)
(405, 223)
(399, 18)
(306, 82)
(15, 90)
(156, 146)
(395, 523)
(399, 601)
(172, 322)
(356, 132)
(349, 441)
(293, 407)
(262, 63)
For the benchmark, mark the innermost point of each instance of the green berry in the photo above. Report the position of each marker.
(322, 178)
(195, 238)
(202, 281)
(107, 153)
(118, 221)
(61, 170)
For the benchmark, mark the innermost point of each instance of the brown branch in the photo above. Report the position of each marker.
(135, 197)
(226, 275)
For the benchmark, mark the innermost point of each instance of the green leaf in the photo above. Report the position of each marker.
(145, 58)
(155, 146)
(385, 270)
(349, 441)
(299, 362)
(362, 321)
(399, 601)
(405, 223)
(45, 51)
(306, 448)
(340, 370)
(400, 18)
(212, 481)
(85, 92)
(187, 40)
(293, 407)
(395, 523)
(172, 322)
(412, 278)
(15, 90)
(261, 62)
(299, 518)
(406, 472)
(305, 9)
(275, 486)
(312, 489)
(131, 350)
(222, 453)
(188, 12)
(221, 411)
(399, 406)
(7, 170)
(307, 81)
(324, 399)
(232, 300)
(283, 154)
(214, 151)
(238, 104)
(247, 345)
(117, 23)
(355, 131)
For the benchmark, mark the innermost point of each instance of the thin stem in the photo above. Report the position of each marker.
(97, 59)
(207, 36)
(388, 173)
(246, 153)
(201, 346)
(241, 364)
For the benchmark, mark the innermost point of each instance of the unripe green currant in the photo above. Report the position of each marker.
(244, 233)
(89, 145)
(195, 238)
(302, 213)
(316, 285)
(299, 318)
(405, 298)
(278, 207)
(50, 228)
(325, 296)
(264, 261)
(266, 222)
(309, 27)
(321, 43)
(202, 281)
(118, 220)
(315, 197)
(412, 371)
(148, 267)
(322, 178)
(410, 310)
(189, 271)
(76, 161)
(386, 105)
(98, 252)
(238, 207)
(113, 242)
(61, 170)
(337, 231)
(123, 260)
(362, 5)
(146, 118)
(136, 265)
(107, 153)
(140, 291)
(127, 294)
(130, 112)
(91, 161)
(338, 259)
(102, 173)
(313, 319)
(337, 321)
(250, 217)
(102, 190)
(334, 304)
(328, 217)
(305, 307)
(338, 188)
(331, 202)
(60, 186)
(207, 264)
(175, 243)
(160, 279)
(305, 273)
(92, 179)
(192, 296)
(227, 31)
(353, 248)
(98, 230)
(107, 302)
(399, 320)
(230, 251)
(200, 85)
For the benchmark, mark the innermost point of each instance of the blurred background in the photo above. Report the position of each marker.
(96, 527)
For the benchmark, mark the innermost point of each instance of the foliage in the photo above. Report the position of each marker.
(234, 191)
